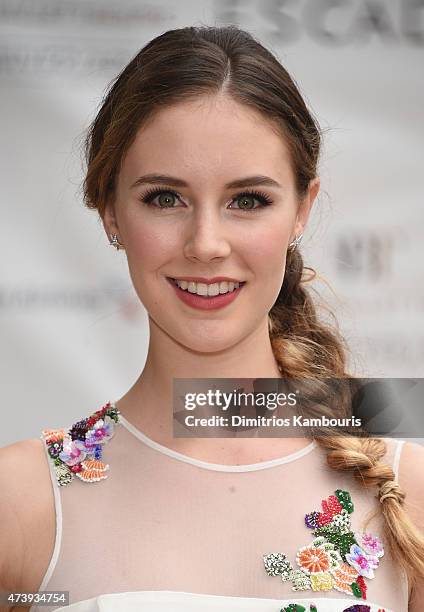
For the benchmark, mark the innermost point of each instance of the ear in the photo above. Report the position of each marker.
(110, 222)
(306, 206)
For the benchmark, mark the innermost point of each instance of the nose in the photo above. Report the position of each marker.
(205, 239)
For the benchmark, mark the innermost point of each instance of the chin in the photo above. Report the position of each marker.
(209, 339)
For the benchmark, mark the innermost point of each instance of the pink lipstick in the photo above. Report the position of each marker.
(205, 302)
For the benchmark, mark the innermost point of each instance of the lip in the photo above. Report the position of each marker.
(207, 281)
(201, 302)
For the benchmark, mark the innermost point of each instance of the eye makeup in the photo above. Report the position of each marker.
(151, 194)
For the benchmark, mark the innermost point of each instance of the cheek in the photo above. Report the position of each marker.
(150, 246)
(265, 248)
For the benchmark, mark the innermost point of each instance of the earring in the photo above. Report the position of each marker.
(114, 241)
(296, 241)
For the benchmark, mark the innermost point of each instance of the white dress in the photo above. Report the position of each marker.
(168, 532)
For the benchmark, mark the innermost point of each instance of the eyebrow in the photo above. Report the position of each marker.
(163, 179)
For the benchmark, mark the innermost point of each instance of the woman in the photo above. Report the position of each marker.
(202, 164)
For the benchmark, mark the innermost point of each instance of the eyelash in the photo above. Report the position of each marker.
(151, 194)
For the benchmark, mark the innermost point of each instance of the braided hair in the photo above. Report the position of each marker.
(305, 347)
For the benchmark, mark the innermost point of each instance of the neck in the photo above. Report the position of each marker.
(148, 405)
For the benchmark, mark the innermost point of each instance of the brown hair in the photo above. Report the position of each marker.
(194, 61)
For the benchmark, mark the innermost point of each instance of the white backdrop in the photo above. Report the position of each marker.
(73, 333)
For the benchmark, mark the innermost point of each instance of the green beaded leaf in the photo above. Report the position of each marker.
(342, 541)
(345, 500)
(113, 413)
(356, 589)
(293, 608)
(318, 542)
(323, 531)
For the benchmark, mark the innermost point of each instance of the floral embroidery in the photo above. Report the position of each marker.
(78, 451)
(365, 564)
(300, 580)
(343, 577)
(278, 565)
(337, 558)
(321, 581)
(370, 544)
(313, 560)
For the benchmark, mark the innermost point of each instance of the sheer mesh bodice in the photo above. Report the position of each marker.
(187, 529)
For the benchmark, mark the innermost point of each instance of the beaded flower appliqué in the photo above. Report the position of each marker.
(337, 558)
(78, 451)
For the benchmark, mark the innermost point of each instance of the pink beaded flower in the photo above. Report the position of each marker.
(100, 433)
(74, 451)
(363, 563)
(370, 543)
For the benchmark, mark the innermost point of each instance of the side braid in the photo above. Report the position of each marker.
(305, 347)
(361, 456)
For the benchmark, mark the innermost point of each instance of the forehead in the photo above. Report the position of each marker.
(214, 137)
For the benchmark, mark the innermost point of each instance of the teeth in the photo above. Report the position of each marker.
(202, 288)
(213, 289)
(205, 289)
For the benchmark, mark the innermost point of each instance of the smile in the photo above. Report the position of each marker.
(206, 296)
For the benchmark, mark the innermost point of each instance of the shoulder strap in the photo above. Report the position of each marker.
(396, 458)
(58, 512)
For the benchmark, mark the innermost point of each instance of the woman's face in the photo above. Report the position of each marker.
(199, 226)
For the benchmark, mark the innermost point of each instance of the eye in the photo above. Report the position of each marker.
(166, 197)
(247, 200)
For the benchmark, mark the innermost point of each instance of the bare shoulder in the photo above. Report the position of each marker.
(28, 518)
(411, 480)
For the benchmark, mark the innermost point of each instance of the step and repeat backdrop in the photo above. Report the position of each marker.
(73, 333)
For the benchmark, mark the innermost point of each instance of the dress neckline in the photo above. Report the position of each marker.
(219, 467)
